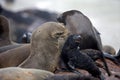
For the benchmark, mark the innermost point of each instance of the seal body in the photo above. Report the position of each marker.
(16, 73)
(45, 49)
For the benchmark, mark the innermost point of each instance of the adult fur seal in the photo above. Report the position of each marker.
(4, 31)
(8, 47)
(16, 73)
(15, 56)
(45, 46)
(70, 76)
(78, 23)
(5, 35)
(109, 49)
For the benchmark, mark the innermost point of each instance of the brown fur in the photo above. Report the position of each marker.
(109, 49)
(5, 35)
(4, 31)
(78, 23)
(45, 46)
(14, 56)
(8, 47)
(70, 76)
(15, 73)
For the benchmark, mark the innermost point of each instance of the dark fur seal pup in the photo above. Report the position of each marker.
(78, 23)
(74, 58)
(74, 42)
(45, 45)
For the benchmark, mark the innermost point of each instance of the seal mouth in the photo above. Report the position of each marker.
(77, 41)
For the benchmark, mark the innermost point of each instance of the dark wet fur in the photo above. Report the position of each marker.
(90, 39)
(94, 54)
(112, 58)
(117, 56)
(74, 58)
(85, 42)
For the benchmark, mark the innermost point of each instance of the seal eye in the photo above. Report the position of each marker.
(60, 33)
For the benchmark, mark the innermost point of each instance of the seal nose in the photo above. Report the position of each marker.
(77, 37)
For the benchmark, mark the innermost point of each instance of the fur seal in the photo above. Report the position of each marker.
(8, 47)
(78, 23)
(74, 58)
(70, 76)
(16, 73)
(4, 31)
(109, 49)
(14, 57)
(5, 35)
(45, 46)
(115, 58)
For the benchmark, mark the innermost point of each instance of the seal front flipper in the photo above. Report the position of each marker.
(72, 68)
(118, 55)
(112, 58)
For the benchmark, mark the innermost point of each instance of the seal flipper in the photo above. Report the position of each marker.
(72, 68)
(118, 55)
(101, 77)
(105, 64)
(112, 58)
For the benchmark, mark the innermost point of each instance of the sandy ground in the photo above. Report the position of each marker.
(104, 14)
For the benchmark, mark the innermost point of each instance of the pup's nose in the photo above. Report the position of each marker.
(77, 37)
